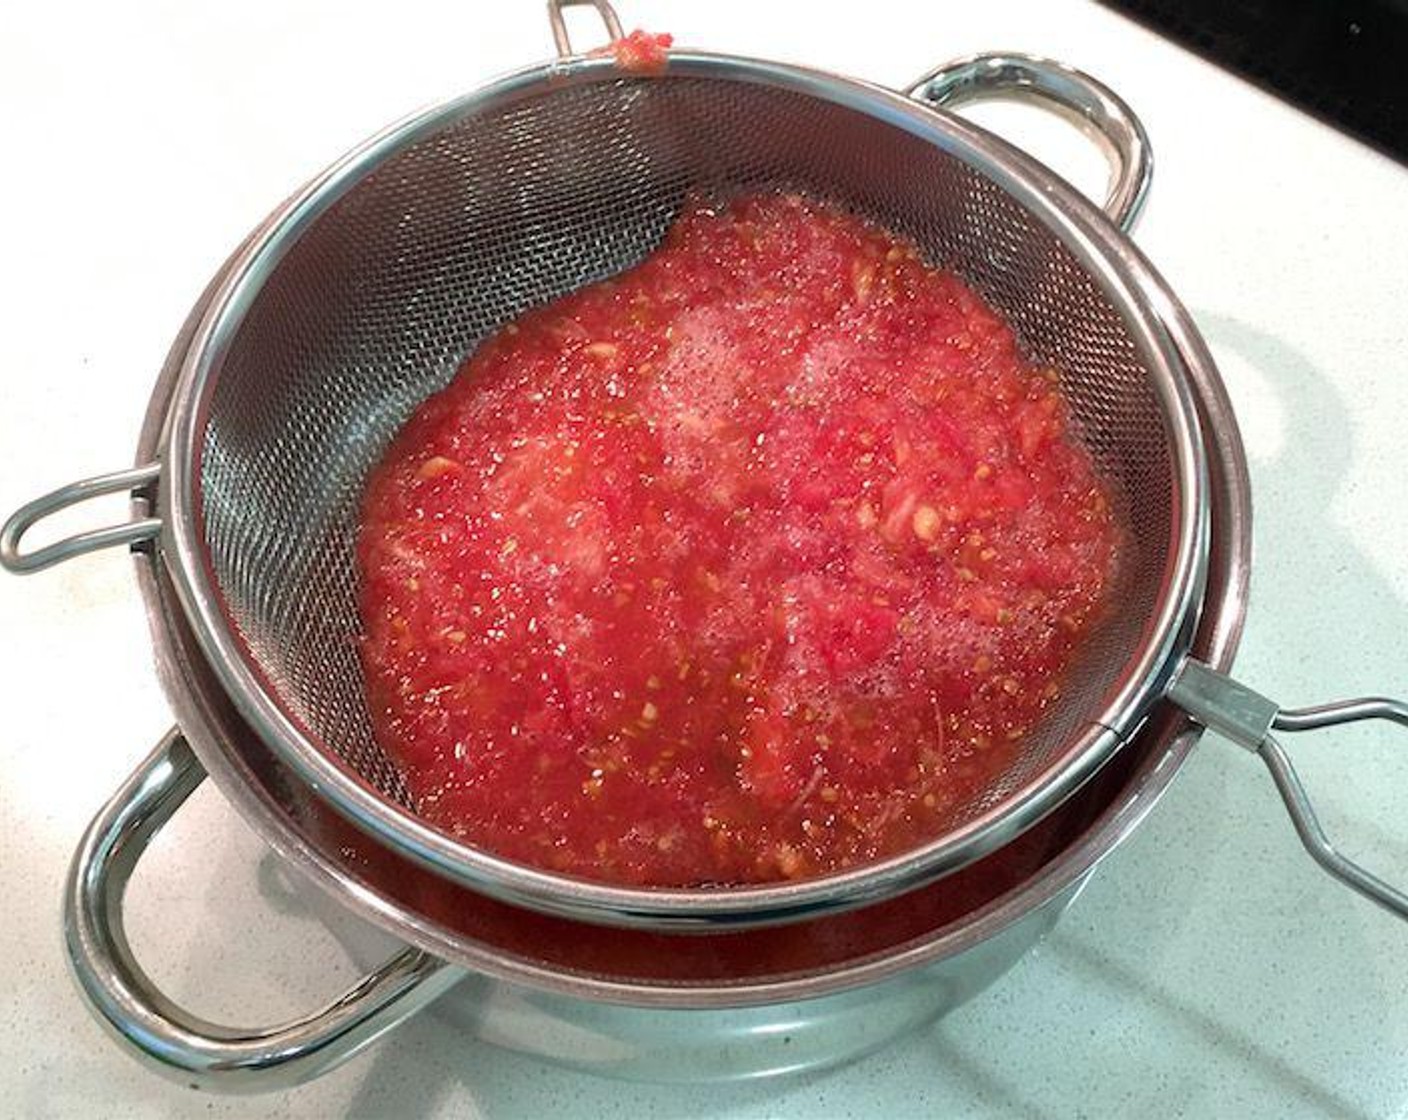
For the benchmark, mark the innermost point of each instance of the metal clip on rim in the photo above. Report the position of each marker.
(560, 37)
(178, 1043)
(136, 479)
(1096, 108)
(1247, 718)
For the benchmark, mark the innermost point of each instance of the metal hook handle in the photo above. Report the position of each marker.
(24, 518)
(559, 23)
(1096, 107)
(180, 1044)
(1248, 718)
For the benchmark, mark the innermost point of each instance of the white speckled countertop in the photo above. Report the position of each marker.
(1209, 970)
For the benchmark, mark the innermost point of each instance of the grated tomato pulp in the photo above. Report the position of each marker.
(748, 564)
(640, 52)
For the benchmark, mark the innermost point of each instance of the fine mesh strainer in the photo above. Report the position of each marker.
(363, 295)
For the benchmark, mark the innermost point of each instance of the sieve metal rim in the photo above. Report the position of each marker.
(1113, 264)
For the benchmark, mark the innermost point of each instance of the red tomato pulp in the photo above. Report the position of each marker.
(640, 52)
(748, 564)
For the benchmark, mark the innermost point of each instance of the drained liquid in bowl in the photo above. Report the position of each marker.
(748, 564)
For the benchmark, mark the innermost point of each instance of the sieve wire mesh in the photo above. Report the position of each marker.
(378, 301)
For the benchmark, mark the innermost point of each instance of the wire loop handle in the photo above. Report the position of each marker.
(560, 37)
(1233, 710)
(135, 479)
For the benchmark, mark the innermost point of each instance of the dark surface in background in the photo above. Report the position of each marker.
(1345, 61)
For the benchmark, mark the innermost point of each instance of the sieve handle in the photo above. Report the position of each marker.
(1097, 109)
(1248, 718)
(135, 480)
(560, 37)
(178, 1043)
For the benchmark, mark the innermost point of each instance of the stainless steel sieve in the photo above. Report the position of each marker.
(362, 295)
(753, 1012)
